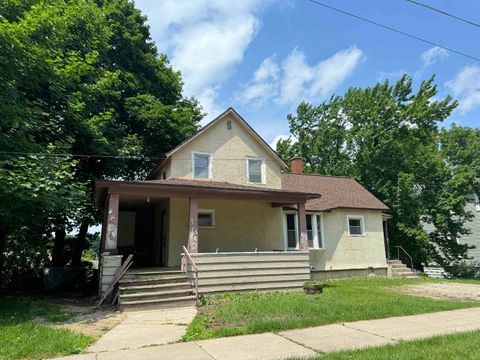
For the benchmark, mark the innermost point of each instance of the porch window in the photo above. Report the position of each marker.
(255, 171)
(355, 225)
(201, 166)
(314, 230)
(206, 219)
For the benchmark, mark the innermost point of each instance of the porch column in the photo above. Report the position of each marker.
(302, 228)
(192, 245)
(111, 233)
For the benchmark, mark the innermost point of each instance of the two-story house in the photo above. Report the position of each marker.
(223, 200)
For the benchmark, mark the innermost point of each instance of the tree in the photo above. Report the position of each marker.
(387, 137)
(83, 79)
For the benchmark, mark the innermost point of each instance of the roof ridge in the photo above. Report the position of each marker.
(320, 175)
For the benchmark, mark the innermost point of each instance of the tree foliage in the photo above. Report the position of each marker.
(387, 137)
(83, 86)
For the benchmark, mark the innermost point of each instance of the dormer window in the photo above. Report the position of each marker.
(201, 165)
(255, 171)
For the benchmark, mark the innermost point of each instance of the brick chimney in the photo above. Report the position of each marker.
(296, 164)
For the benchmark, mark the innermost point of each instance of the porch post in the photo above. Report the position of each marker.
(302, 228)
(192, 245)
(111, 232)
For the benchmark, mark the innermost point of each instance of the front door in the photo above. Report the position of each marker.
(144, 238)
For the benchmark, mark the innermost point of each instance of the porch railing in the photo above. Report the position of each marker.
(404, 256)
(113, 288)
(187, 259)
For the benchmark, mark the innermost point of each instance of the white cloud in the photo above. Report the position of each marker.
(273, 144)
(433, 54)
(263, 86)
(295, 80)
(204, 39)
(466, 88)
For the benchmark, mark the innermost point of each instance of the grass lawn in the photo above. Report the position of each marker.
(24, 333)
(343, 300)
(462, 346)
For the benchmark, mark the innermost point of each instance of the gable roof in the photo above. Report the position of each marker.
(241, 121)
(337, 192)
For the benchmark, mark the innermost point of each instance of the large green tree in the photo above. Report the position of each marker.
(387, 137)
(82, 83)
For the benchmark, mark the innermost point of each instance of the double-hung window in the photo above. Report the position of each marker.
(201, 166)
(255, 171)
(355, 225)
(314, 230)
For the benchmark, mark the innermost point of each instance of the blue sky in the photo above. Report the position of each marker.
(264, 57)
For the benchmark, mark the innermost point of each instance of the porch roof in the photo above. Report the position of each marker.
(198, 189)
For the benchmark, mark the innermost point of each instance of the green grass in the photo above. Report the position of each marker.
(345, 300)
(24, 333)
(462, 346)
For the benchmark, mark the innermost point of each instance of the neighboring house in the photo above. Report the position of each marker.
(473, 205)
(222, 194)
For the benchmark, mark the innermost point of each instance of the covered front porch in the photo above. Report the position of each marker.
(153, 220)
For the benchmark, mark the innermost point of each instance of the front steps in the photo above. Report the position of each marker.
(399, 270)
(155, 287)
(224, 272)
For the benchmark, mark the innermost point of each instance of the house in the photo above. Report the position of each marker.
(223, 200)
(473, 239)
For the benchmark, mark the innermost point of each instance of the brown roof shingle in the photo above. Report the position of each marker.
(336, 192)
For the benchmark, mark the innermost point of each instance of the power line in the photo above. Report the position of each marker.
(394, 30)
(443, 12)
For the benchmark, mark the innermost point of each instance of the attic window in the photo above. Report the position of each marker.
(229, 124)
(201, 166)
(255, 171)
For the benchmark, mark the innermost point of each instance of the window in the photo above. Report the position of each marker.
(206, 219)
(201, 166)
(314, 230)
(291, 230)
(319, 219)
(255, 171)
(355, 225)
(477, 203)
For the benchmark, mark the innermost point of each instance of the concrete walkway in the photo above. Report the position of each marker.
(304, 343)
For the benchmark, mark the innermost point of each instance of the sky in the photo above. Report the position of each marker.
(264, 57)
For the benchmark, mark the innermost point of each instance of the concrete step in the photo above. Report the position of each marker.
(152, 280)
(159, 303)
(402, 270)
(249, 258)
(397, 266)
(394, 262)
(252, 279)
(290, 285)
(259, 265)
(153, 288)
(154, 295)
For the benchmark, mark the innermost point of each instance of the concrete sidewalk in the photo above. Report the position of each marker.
(304, 343)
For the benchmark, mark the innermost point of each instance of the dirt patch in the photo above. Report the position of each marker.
(87, 318)
(444, 291)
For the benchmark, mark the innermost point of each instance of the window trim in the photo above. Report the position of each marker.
(362, 224)
(207, 211)
(262, 170)
(316, 243)
(210, 162)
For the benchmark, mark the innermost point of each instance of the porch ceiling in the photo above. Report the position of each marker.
(158, 189)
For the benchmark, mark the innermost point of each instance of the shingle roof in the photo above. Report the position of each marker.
(337, 192)
(222, 185)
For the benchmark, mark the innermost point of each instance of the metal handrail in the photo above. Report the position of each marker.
(406, 253)
(189, 258)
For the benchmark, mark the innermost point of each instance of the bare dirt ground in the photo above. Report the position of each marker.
(444, 291)
(87, 318)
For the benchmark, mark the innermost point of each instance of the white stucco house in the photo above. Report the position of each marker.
(224, 203)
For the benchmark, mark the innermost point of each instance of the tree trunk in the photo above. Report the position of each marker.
(58, 255)
(3, 239)
(79, 245)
